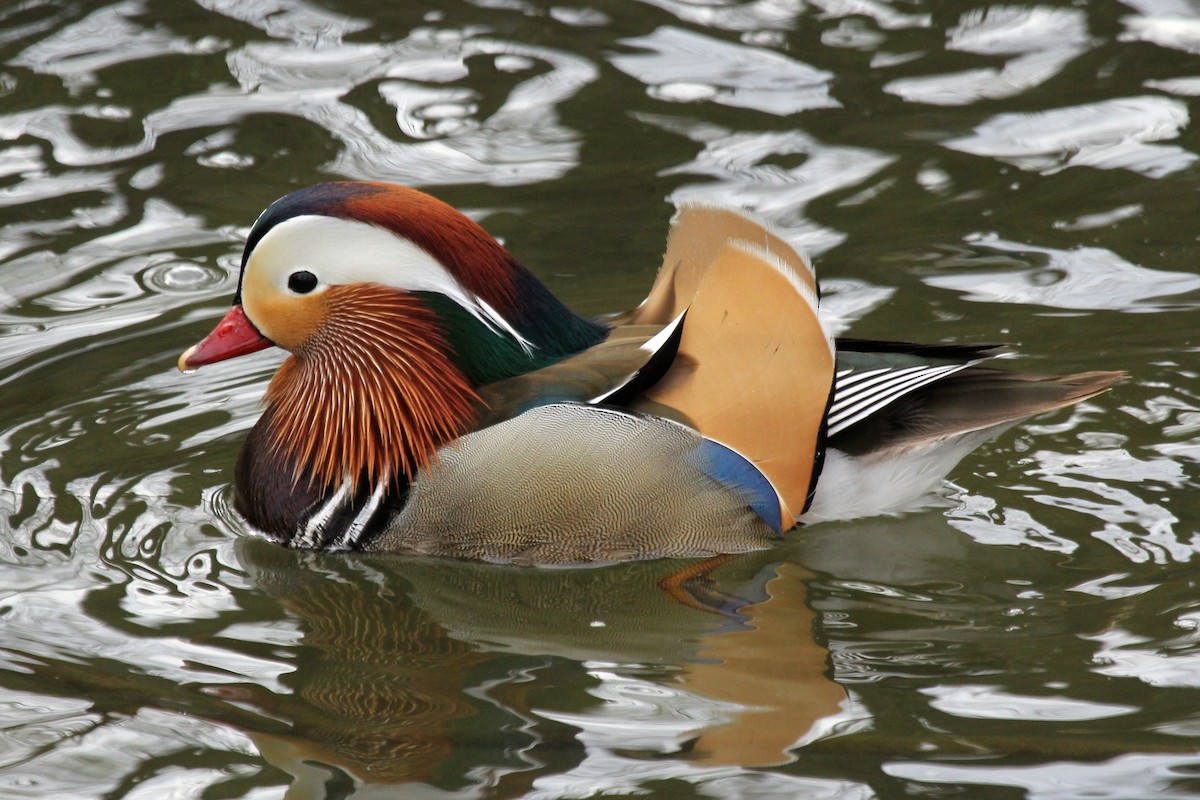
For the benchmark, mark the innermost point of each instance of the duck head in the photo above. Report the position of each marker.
(394, 307)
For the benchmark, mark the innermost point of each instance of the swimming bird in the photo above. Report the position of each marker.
(440, 400)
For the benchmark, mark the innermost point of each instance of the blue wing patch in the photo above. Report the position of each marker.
(735, 472)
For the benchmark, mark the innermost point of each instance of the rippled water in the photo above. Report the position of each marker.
(1018, 172)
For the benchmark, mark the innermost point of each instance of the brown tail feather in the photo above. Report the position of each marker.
(972, 400)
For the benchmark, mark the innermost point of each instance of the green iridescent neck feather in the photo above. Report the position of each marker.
(487, 354)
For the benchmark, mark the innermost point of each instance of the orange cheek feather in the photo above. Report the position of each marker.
(287, 320)
(372, 394)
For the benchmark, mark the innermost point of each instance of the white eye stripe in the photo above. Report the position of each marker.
(343, 251)
(349, 252)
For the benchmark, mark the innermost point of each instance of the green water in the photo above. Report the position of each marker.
(1015, 173)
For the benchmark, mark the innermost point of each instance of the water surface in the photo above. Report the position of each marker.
(1024, 173)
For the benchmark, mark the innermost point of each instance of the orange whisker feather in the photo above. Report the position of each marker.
(371, 397)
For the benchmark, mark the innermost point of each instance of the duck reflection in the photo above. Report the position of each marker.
(416, 671)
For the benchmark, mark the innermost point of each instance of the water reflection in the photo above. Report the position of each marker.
(1083, 278)
(1114, 134)
(388, 671)
(1127, 776)
(683, 66)
(106, 37)
(1040, 40)
(744, 170)
(1164, 23)
(1018, 173)
(519, 142)
(403, 652)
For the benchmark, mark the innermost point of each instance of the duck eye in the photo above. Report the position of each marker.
(302, 282)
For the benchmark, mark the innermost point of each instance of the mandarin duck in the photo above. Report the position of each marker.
(439, 399)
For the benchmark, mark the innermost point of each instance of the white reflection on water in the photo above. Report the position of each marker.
(93, 760)
(1103, 219)
(234, 391)
(987, 522)
(106, 37)
(111, 283)
(117, 558)
(1083, 278)
(1116, 779)
(1122, 653)
(1121, 500)
(59, 282)
(288, 19)
(1042, 40)
(844, 301)
(29, 234)
(648, 717)
(641, 714)
(1110, 134)
(993, 702)
(520, 142)
(683, 65)
(620, 775)
(1104, 485)
(1186, 87)
(744, 173)
(751, 16)
(1167, 23)
(1177, 33)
